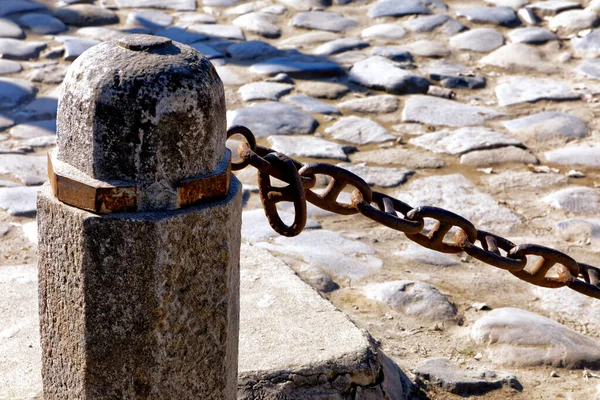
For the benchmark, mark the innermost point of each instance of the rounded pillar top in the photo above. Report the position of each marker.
(142, 109)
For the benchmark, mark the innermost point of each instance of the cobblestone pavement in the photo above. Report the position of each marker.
(486, 108)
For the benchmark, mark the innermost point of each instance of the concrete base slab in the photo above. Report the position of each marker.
(294, 344)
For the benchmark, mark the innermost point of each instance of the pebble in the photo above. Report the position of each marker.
(547, 125)
(457, 194)
(316, 277)
(399, 156)
(308, 146)
(186, 18)
(272, 118)
(379, 176)
(383, 31)
(429, 23)
(482, 40)
(180, 35)
(8, 29)
(589, 68)
(211, 54)
(393, 8)
(515, 4)
(587, 46)
(86, 15)
(424, 255)
(251, 50)
(256, 228)
(532, 35)
(452, 75)
(516, 57)
(44, 107)
(324, 21)
(322, 90)
(414, 298)
(75, 46)
(588, 156)
(504, 16)
(19, 201)
(380, 104)
(20, 50)
(394, 53)
(578, 200)
(15, 91)
(445, 374)
(307, 39)
(520, 338)
(9, 67)
(573, 21)
(262, 24)
(501, 156)
(180, 5)
(305, 5)
(264, 91)
(29, 170)
(301, 66)
(428, 48)
(330, 251)
(310, 104)
(8, 7)
(552, 7)
(581, 230)
(340, 46)
(463, 140)
(520, 89)
(149, 18)
(218, 31)
(34, 129)
(435, 111)
(358, 130)
(379, 73)
(42, 24)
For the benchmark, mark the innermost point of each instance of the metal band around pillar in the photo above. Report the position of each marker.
(105, 198)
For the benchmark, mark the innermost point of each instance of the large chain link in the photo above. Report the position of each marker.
(384, 209)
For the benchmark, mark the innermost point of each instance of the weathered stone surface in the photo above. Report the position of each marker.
(86, 15)
(218, 31)
(482, 40)
(547, 125)
(531, 35)
(310, 104)
(504, 16)
(300, 65)
(525, 180)
(517, 337)
(340, 46)
(463, 140)
(589, 69)
(322, 90)
(211, 53)
(435, 111)
(399, 156)
(75, 46)
(251, 50)
(20, 50)
(587, 46)
(442, 372)
(15, 91)
(256, 228)
(323, 20)
(380, 104)
(359, 131)
(19, 200)
(501, 156)
(578, 200)
(552, 7)
(428, 48)
(573, 21)
(424, 255)
(414, 298)
(583, 230)
(379, 176)
(9, 67)
(329, 358)
(308, 39)
(383, 31)
(182, 5)
(264, 90)
(440, 23)
(453, 75)
(118, 156)
(44, 107)
(308, 146)
(576, 155)
(43, 24)
(262, 24)
(395, 53)
(272, 118)
(518, 57)
(180, 35)
(9, 29)
(149, 18)
(519, 89)
(337, 255)
(49, 74)
(186, 18)
(457, 194)
(382, 74)
(392, 8)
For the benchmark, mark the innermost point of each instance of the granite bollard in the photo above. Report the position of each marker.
(139, 230)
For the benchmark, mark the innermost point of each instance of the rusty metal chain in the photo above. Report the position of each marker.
(381, 208)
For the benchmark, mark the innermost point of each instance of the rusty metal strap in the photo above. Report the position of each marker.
(554, 269)
(76, 189)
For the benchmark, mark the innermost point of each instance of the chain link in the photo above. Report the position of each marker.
(301, 179)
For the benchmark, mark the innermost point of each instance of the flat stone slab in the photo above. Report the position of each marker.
(379, 176)
(414, 298)
(463, 140)
(15, 91)
(428, 48)
(429, 23)
(520, 338)
(322, 90)
(399, 156)
(424, 255)
(531, 35)
(86, 15)
(379, 104)
(383, 31)
(435, 111)
(251, 50)
(301, 66)
(518, 57)
(264, 91)
(452, 75)
(589, 69)
(330, 251)
(457, 194)
(15, 49)
(547, 125)
(310, 104)
(588, 156)
(308, 146)
(296, 344)
(9, 67)
(273, 118)
(587, 46)
(393, 8)
(380, 73)
(444, 373)
(259, 23)
(180, 5)
(525, 180)
(553, 7)
(519, 89)
(504, 16)
(503, 155)
(359, 131)
(481, 40)
(218, 31)
(339, 46)
(256, 228)
(19, 200)
(30, 170)
(578, 200)
(573, 21)
(322, 20)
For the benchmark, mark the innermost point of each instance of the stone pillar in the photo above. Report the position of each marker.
(139, 231)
